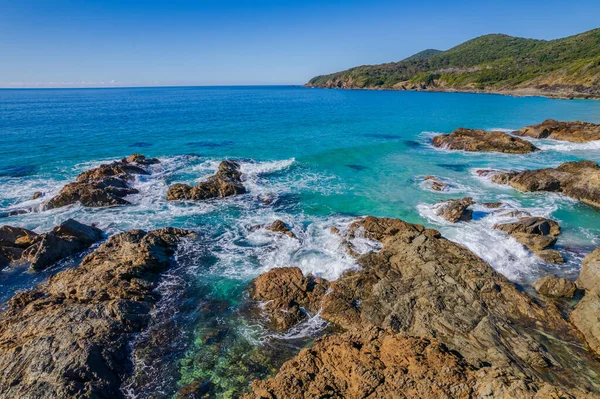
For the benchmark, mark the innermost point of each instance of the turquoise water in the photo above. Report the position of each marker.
(314, 158)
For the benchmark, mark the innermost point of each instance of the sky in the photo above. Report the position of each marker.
(79, 43)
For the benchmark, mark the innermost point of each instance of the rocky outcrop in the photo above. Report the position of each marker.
(420, 284)
(279, 226)
(537, 234)
(455, 210)
(68, 338)
(286, 295)
(579, 180)
(226, 182)
(40, 251)
(482, 141)
(555, 287)
(575, 132)
(105, 185)
(435, 183)
(586, 316)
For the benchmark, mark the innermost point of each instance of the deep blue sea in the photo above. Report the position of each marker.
(313, 158)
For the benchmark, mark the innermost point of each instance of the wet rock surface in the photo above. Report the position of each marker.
(420, 284)
(537, 234)
(435, 183)
(279, 226)
(68, 338)
(575, 132)
(456, 210)
(40, 251)
(226, 182)
(586, 316)
(579, 180)
(105, 185)
(286, 295)
(555, 287)
(476, 140)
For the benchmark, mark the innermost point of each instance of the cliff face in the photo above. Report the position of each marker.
(567, 67)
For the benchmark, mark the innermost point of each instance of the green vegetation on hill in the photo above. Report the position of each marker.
(494, 62)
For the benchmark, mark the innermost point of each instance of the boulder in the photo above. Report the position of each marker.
(16, 237)
(497, 176)
(141, 160)
(225, 183)
(579, 180)
(575, 132)
(420, 284)
(482, 141)
(455, 210)
(69, 338)
(286, 295)
(67, 239)
(436, 184)
(555, 287)
(36, 195)
(105, 185)
(589, 276)
(537, 234)
(279, 226)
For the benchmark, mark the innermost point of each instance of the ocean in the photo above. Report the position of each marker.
(313, 158)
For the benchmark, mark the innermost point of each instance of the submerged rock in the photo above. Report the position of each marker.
(586, 316)
(225, 183)
(482, 141)
(455, 210)
(555, 287)
(279, 226)
(420, 284)
(286, 295)
(436, 183)
(575, 132)
(69, 338)
(537, 234)
(579, 180)
(105, 185)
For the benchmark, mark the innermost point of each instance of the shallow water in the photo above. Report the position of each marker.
(313, 158)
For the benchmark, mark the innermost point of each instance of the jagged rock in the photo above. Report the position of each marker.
(579, 180)
(455, 210)
(480, 140)
(575, 132)
(279, 226)
(67, 239)
(286, 294)
(378, 364)
(225, 183)
(436, 184)
(16, 237)
(537, 234)
(141, 160)
(586, 316)
(105, 185)
(497, 176)
(422, 284)
(36, 195)
(69, 338)
(555, 287)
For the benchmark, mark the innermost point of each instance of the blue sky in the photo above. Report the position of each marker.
(146, 42)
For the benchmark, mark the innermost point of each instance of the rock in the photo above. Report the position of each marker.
(420, 284)
(555, 287)
(575, 132)
(36, 195)
(537, 234)
(586, 316)
(279, 226)
(67, 239)
(141, 160)
(16, 237)
(492, 205)
(589, 276)
(579, 180)
(436, 184)
(286, 294)
(497, 176)
(105, 185)
(455, 210)
(69, 337)
(480, 141)
(225, 183)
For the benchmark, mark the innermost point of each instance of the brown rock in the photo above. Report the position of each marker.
(492, 205)
(69, 338)
(576, 132)
(16, 237)
(141, 160)
(550, 256)
(579, 180)
(586, 316)
(36, 195)
(482, 141)
(225, 183)
(531, 225)
(436, 184)
(455, 210)
(67, 239)
(589, 276)
(279, 226)
(105, 185)
(554, 287)
(286, 294)
(497, 176)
